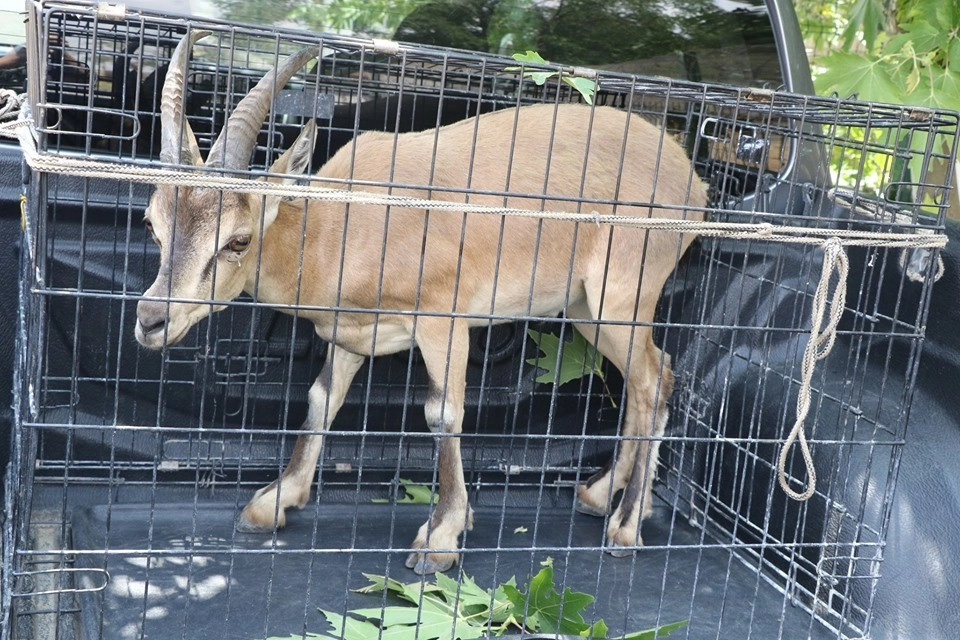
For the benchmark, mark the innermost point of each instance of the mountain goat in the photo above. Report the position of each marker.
(419, 278)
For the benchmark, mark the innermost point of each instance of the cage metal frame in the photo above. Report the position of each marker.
(819, 126)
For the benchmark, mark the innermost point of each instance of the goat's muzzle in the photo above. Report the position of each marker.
(155, 328)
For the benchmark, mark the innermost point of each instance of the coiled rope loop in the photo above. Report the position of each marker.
(818, 347)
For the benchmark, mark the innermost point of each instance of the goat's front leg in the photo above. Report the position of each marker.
(444, 345)
(266, 510)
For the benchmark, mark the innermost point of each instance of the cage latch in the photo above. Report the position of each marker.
(751, 148)
(735, 142)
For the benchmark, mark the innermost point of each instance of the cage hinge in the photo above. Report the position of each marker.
(583, 72)
(114, 11)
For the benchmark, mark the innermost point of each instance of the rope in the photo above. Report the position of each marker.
(818, 347)
(832, 241)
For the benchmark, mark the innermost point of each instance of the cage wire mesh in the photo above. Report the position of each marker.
(133, 465)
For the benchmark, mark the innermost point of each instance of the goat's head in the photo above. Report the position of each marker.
(209, 238)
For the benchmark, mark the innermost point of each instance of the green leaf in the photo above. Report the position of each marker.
(585, 86)
(657, 632)
(548, 611)
(412, 494)
(350, 628)
(577, 358)
(530, 57)
(597, 630)
(938, 88)
(946, 89)
(503, 611)
(399, 615)
(866, 16)
(531, 619)
(417, 593)
(540, 77)
(449, 609)
(953, 55)
(870, 79)
(945, 15)
(402, 623)
(925, 37)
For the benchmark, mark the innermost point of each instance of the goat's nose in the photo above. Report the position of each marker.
(151, 315)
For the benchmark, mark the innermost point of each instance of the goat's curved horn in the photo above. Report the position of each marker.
(177, 142)
(239, 135)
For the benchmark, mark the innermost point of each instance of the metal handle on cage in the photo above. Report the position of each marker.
(77, 571)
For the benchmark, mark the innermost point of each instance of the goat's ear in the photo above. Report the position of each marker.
(294, 162)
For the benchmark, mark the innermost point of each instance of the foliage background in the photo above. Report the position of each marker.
(901, 51)
(898, 51)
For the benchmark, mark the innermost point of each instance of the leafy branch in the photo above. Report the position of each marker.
(585, 86)
(450, 610)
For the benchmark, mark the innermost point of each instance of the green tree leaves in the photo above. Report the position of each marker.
(574, 360)
(849, 73)
(548, 611)
(893, 51)
(449, 609)
(866, 17)
(900, 51)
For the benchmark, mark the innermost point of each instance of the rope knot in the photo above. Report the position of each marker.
(10, 102)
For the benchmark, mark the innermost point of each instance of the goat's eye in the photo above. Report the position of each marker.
(239, 244)
(149, 226)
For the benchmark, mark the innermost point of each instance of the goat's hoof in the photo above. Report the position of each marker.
(427, 563)
(619, 551)
(587, 503)
(243, 525)
(589, 509)
(248, 523)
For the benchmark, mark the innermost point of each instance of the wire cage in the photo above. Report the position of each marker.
(132, 465)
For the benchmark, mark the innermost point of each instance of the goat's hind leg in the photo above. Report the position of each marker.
(444, 345)
(649, 382)
(647, 393)
(595, 496)
(266, 510)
